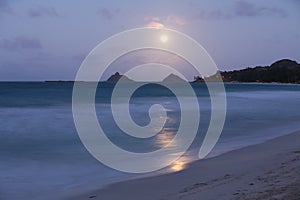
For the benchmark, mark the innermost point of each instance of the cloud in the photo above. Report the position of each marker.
(151, 18)
(153, 22)
(170, 20)
(213, 15)
(20, 43)
(155, 25)
(40, 11)
(39, 56)
(241, 9)
(4, 7)
(247, 9)
(107, 14)
(295, 2)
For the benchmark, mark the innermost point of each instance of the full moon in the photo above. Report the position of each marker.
(164, 38)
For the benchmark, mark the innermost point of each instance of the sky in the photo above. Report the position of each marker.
(48, 40)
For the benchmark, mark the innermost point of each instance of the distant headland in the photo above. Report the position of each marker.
(282, 71)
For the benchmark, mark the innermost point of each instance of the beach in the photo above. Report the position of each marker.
(270, 170)
(42, 156)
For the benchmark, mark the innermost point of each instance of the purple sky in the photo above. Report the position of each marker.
(46, 40)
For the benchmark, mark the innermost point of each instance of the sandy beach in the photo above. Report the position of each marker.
(270, 170)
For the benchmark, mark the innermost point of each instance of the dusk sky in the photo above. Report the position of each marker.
(48, 40)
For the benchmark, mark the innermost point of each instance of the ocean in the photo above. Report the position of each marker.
(42, 157)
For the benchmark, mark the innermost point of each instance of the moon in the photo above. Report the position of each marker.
(164, 38)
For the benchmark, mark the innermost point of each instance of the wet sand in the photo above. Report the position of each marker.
(270, 170)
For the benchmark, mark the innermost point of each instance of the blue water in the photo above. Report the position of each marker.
(42, 157)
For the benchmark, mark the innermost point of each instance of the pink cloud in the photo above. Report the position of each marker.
(151, 18)
(170, 20)
(154, 24)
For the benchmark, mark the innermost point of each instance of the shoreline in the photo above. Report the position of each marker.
(72, 81)
(261, 171)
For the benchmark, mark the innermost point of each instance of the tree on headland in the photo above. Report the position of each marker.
(282, 71)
